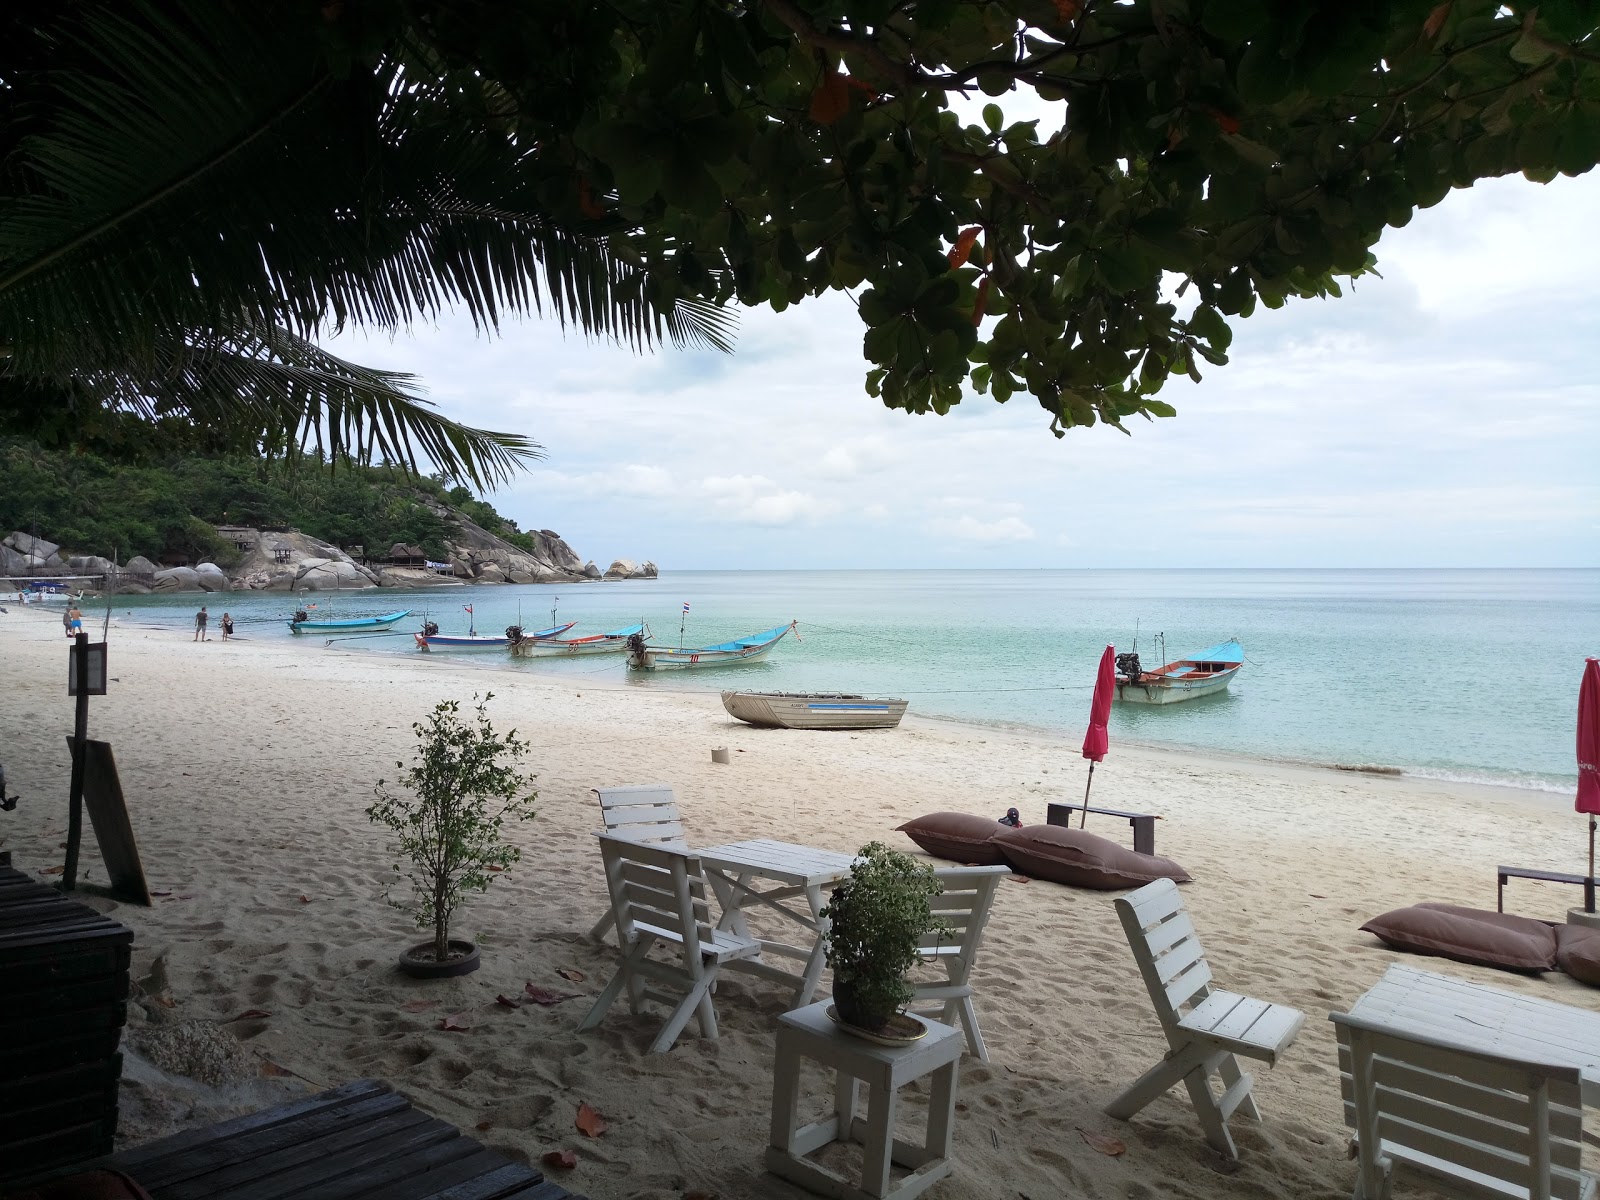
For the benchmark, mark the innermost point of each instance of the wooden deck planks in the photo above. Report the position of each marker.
(361, 1141)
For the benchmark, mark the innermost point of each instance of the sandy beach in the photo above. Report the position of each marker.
(247, 767)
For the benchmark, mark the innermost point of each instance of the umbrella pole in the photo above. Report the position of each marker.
(1084, 820)
(1588, 880)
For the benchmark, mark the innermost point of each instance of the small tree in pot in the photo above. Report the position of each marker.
(877, 919)
(462, 788)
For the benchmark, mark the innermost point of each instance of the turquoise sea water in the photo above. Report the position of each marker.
(1466, 674)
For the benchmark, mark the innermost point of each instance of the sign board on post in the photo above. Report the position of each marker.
(108, 813)
(94, 656)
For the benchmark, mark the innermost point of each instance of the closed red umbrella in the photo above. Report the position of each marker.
(1096, 740)
(1588, 800)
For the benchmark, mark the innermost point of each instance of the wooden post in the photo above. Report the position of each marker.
(1588, 880)
(80, 733)
(1084, 820)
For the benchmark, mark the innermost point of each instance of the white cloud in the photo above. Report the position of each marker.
(757, 499)
(971, 529)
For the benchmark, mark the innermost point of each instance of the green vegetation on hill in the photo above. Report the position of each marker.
(92, 506)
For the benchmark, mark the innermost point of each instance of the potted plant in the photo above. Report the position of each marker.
(462, 788)
(877, 918)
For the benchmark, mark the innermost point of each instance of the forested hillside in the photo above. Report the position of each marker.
(91, 506)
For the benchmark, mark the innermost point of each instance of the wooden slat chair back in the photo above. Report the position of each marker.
(658, 898)
(1206, 1028)
(644, 812)
(964, 907)
(1503, 1126)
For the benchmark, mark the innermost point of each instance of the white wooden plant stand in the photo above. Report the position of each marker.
(808, 1033)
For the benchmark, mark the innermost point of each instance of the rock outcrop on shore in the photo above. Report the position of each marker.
(286, 560)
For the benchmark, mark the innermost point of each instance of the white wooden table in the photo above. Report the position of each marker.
(801, 873)
(1484, 1018)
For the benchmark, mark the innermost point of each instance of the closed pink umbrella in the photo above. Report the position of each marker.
(1588, 800)
(1096, 741)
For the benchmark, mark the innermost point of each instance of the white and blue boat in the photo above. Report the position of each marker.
(613, 642)
(301, 622)
(814, 710)
(429, 637)
(1202, 674)
(644, 657)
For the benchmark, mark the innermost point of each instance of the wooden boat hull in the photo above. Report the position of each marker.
(1172, 691)
(354, 625)
(480, 641)
(606, 643)
(814, 710)
(728, 654)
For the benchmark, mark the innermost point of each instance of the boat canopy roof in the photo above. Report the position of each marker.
(625, 631)
(744, 643)
(1228, 652)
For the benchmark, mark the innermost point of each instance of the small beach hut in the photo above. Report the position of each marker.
(402, 555)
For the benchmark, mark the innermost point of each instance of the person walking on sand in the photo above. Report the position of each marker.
(200, 620)
(66, 622)
(227, 626)
(74, 621)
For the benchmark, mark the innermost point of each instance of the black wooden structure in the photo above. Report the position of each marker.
(63, 1001)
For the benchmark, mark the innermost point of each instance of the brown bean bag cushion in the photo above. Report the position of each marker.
(1578, 953)
(1469, 935)
(91, 1185)
(960, 837)
(1080, 859)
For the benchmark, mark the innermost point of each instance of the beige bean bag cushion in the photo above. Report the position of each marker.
(959, 837)
(1080, 859)
(1469, 935)
(1578, 953)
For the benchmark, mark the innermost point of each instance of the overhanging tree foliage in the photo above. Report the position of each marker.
(1212, 155)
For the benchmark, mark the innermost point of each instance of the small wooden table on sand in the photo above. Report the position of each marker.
(801, 872)
(1407, 1000)
(810, 1033)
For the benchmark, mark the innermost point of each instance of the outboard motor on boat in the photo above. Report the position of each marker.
(300, 615)
(513, 634)
(7, 803)
(1128, 667)
(636, 655)
(430, 629)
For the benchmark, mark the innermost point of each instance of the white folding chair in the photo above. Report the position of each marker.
(964, 906)
(1205, 1027)
(1500, 1125)
(658, 897)
(642, 812)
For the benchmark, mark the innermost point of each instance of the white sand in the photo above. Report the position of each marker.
(247, 768)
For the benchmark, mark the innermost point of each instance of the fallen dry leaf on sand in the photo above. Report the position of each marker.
(1017, 878)
(419, 1005)
(249, 1014)
(571, 974)
(507, 1001)
(52, 870)
(273, 1071)
(164, 1000)
(541, 995)
(455, 1021)
(304, 899)
(565, 1159)
(590, 1123)
(1104, 1142)
(484, 1126)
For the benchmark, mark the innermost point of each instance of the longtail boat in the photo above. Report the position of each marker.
(301, 622)
(1201, 674)
(643, 657)
(600, 643)
(429, 637)
(814, 710)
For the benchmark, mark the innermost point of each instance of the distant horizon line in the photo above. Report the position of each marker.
(1215, 570)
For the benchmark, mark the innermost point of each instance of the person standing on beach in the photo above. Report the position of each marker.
(200, 620)
(66, 622)
(74, 621)
(227, 626)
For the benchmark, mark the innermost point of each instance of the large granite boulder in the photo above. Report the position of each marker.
(330, 575)
(491, 572)
(626, 568)
(212, 577)
(414, 577)
(14, 562)
(590, 571)
(90, 564)
(139, 565)
(178, 579)
(35, 548)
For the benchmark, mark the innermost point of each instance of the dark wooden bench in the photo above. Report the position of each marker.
(1144, 824)
(361, 1141)
(1543, 876)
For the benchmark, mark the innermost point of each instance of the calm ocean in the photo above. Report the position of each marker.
(1470, 675)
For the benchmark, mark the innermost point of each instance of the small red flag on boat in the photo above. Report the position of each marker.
(468, 607)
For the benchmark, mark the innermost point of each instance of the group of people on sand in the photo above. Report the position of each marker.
(72, 620)
(202, 619)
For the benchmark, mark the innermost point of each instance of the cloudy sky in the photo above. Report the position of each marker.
(1447, 414)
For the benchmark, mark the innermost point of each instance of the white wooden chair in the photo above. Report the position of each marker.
(642, 812)
(658, 896)
(964, 906)
(1503, 1126)
(1205, 1027)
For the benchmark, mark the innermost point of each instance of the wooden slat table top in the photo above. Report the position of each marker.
(1486, 1018)
(783, 861)
(362, 1141)
(32, 914)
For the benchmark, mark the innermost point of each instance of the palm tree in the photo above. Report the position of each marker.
(192, 193)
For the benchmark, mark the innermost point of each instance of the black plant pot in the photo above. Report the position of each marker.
(851, 1012)
(419, 961)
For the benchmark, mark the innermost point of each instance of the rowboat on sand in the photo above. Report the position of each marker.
(302, 623)
(1202, 674)
(814, 710)
(643, 657)
(600, 643)
(429, 637)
